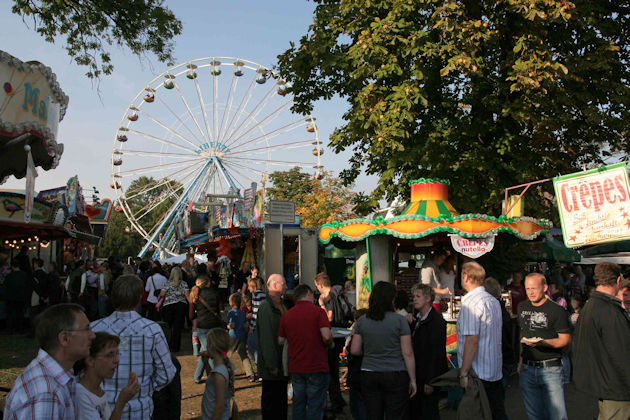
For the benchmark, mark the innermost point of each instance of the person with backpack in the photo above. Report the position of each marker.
(339, 312)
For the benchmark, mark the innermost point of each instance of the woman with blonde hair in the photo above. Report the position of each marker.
(175, 295)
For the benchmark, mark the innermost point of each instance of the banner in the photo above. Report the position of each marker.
(594, 205)
(31, 174)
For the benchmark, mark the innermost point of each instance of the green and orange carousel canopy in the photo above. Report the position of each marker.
(430, 212)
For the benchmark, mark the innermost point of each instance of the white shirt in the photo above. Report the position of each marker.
(90, 406)
(480, 315)
(429, 274)
(447, 280)
(157, 280)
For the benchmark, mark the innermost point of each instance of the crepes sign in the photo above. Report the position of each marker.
(473, 248)
(594, 205)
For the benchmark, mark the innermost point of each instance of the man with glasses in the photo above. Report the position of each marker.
(601, 346)
(45, 389)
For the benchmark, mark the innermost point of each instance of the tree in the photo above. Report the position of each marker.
(118, 242)
(143, 26)
(316, 201)
(486, 93)
(148, 201)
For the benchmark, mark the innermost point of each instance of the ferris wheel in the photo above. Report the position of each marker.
(205, 130)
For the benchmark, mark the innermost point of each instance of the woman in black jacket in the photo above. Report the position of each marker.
(429, 347)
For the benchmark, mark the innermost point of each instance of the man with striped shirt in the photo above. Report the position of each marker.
(479, 337)
(143, 349)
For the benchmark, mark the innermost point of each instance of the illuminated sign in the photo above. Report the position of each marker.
(594, 205)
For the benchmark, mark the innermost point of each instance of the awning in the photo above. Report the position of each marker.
(31, 106)
(619, 258)
(429, 213)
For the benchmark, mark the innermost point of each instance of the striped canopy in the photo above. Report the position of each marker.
(430, 198)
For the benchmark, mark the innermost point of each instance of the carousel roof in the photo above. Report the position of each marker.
(430, 212)
(31, 106)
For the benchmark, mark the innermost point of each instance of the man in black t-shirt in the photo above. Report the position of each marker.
(544, 331)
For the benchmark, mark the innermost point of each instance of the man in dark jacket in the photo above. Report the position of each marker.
(429, 338)
(16, 294)
(274, 404)
(602, 345)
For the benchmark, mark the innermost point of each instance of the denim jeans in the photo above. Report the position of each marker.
(543, 394)
(203, 346)
(309, 395)
(252, 345)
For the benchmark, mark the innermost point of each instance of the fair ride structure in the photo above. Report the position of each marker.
(201, 136)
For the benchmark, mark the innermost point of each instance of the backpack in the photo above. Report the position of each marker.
(341, 308)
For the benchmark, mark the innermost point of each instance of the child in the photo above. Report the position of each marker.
(90, 399)
(237, 324)
(246, 307)
(219, 390)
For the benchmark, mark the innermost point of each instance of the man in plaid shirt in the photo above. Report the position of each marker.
(143, 349)
(45, 389)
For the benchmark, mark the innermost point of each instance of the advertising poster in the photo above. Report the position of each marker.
(594, 205)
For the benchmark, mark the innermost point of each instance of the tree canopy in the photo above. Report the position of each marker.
(316, 201)
(90, 27)
(148, 201)
(486, 93)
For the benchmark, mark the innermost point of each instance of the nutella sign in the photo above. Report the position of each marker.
(473, 248)
(594, 205)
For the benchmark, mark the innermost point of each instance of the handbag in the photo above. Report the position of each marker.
(156, 292)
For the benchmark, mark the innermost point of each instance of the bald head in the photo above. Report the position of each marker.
(276, 284)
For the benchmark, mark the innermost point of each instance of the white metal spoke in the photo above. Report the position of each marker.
(215, 100)
(262, 122)
(271, 161)
(159, 182)
(203, 108)
(228, 103)
(167, 128)
(239, 109)
(277, 146)
(192, 116)
(233, 168)
(154, 168)
(245, 167)
(177, 117)
(147, 153)
(257, 107)
(278, 131)
(161, 140)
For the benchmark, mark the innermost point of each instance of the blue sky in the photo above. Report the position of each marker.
(253, 30)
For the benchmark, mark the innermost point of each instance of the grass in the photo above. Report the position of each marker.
(16, 352)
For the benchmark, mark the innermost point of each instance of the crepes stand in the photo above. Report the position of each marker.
(428, 221)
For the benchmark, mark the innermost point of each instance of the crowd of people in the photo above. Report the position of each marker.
(107, 333)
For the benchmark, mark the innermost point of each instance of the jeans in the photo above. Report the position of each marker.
(309, 395)
(386, 394)
(237, 345)
(542, 391)
(202, 335)
(252, 345)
